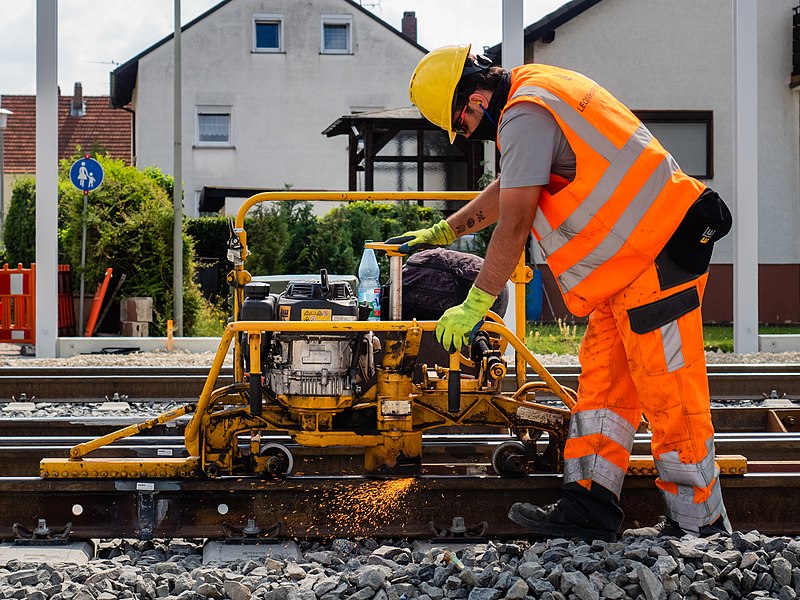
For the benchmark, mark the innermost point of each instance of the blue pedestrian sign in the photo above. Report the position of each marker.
(86, 174)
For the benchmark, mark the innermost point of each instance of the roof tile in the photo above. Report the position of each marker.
(101, 128)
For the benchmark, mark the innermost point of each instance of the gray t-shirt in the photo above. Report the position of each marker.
(533, 146)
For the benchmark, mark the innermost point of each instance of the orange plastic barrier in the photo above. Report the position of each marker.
(97, 303)
(17, 304)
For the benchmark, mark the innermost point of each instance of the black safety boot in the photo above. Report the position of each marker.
(666, 527)
(587, 514)
(551, 521)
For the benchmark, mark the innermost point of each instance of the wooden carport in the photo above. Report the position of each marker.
(383, 138)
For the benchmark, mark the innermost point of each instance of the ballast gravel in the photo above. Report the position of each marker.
(743, 565)
(10, 357)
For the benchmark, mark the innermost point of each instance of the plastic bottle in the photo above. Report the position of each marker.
(369, 287)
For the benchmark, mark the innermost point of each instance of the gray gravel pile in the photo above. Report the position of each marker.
(740, 566)
(10, 357)
(41, 410)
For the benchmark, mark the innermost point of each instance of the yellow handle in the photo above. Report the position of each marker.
(390, 249)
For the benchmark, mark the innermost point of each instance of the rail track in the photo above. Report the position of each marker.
(746, 381)
(327, 497)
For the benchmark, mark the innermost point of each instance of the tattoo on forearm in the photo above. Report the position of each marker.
(471, 221)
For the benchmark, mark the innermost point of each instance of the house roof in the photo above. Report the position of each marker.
(123, 78)
(546, 25)
(101, 128)
(407, 117)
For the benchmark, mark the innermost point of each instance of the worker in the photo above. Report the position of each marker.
(628, 237)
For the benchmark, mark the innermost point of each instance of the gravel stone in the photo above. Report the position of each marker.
(236, 591)
(518, 590)
(781, 571)
(433, 592)
(578, 584)
(480, 593)
(651, 585)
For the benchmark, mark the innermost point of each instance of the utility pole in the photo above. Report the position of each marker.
(177, 188)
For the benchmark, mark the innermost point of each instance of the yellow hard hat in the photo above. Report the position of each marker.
(433, 84)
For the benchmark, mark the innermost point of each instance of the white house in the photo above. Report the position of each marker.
(671, 61)
(261, 80)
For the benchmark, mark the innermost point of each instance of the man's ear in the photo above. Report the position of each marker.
(478, 99)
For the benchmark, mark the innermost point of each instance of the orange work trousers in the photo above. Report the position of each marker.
(643, 353)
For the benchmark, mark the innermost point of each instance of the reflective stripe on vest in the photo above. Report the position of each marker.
(604, 228)
(620, 162)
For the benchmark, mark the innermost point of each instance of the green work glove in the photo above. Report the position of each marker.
(440, 234)
(459, 324)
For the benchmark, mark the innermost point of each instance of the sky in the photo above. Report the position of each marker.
(97, 35)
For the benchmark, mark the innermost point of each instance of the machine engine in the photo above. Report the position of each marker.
(311, 364)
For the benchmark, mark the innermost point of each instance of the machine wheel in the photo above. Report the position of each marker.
(508, 459)
(279, 463)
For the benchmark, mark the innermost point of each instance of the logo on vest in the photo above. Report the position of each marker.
(707, 234)
(584, 103)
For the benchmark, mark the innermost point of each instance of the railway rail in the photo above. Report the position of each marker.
(64, 384)
(327, 507)
(327, 497)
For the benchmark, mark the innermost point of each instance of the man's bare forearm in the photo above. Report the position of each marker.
(517, 209)
(479, 213)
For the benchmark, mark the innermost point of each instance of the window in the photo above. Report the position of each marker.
(214, 126)
(267, 33)
(336, 34)
(687, 135)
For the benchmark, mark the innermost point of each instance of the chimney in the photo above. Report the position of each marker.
(77, 107)
(409, 25)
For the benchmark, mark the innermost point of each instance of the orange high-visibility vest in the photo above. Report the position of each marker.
(603, 229)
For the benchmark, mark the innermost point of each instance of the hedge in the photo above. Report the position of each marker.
(129, 228)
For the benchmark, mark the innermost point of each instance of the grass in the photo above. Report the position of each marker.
(565, 338)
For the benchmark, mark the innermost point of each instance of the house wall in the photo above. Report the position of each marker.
(678, 55)
(281, 102)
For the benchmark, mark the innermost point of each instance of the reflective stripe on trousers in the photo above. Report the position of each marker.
(660, 373)
(680, 502)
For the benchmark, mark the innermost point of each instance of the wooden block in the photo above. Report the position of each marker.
(136, 309)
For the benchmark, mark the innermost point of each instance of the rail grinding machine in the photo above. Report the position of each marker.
(306, 363)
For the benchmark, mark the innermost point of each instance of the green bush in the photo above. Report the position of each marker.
(285, 237)
(277, 236)
(161, 179)
(339, 240)
(129, 228)
(19, 234)
(210, 235)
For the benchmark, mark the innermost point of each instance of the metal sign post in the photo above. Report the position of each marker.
(86, 175)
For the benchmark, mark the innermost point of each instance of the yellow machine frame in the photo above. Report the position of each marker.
(403, 410)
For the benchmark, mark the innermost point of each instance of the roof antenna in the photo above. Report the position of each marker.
(366, 4)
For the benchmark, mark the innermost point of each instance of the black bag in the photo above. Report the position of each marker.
(435, 280)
